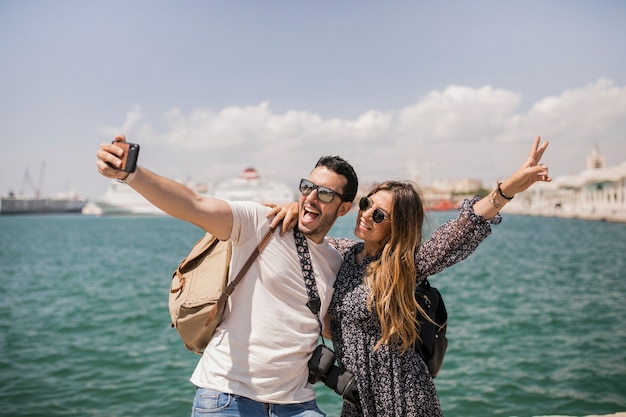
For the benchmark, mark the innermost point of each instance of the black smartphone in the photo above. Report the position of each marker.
(129, 159)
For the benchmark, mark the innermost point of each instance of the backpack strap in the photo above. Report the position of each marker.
(231, 286)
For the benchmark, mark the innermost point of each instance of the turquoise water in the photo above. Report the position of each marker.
(536, 319)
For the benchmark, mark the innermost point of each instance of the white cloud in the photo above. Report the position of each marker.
(582, 114)
(457, 132)
(132, 125)
(205, 129)
(458, 114)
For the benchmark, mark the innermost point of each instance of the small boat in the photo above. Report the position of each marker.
(442, 205)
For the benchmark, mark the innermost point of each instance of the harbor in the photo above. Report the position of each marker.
(596, 193)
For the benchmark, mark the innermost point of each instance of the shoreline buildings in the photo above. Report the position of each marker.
(597, 193)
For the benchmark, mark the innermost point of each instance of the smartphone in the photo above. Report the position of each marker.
(129, 159)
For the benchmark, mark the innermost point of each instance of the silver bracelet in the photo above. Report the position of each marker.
(127, 179)
(493, 201)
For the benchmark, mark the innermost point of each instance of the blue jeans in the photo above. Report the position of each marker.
(208, 402)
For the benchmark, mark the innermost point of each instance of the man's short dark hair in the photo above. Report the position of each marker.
(342, 167)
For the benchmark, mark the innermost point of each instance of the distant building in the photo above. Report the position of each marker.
(595, 160)
(597, 193)
(458, 186)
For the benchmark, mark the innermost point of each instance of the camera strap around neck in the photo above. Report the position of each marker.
(314, 302)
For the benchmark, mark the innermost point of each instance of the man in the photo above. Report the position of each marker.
(256, 364)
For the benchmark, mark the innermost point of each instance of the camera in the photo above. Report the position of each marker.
(131, 153)
(322, 368)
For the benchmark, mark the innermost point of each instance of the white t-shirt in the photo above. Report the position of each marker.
(261, 349)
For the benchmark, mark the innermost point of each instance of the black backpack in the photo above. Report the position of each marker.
(434, 341)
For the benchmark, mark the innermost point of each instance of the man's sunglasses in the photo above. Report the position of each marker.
(324, 194)
(378, 215)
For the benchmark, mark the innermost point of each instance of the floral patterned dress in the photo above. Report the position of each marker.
(391, 384)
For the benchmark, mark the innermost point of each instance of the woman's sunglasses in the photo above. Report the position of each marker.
(324, 194)
(378, 215)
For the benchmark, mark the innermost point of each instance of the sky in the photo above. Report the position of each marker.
(416, 90)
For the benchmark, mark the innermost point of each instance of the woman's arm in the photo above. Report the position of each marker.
(528, 174)
(452, 242)
(456, 239)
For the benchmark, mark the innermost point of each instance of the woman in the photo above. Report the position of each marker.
(373, 309)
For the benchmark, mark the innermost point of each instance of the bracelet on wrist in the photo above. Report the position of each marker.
(493, 201)
(127, 179)
(506, 197)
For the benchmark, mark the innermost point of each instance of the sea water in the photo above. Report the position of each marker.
(536, 319)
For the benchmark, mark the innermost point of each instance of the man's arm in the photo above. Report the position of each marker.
(176, 199)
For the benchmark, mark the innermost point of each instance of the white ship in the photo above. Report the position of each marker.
(250, 187)
(120, 199)
(597, 193)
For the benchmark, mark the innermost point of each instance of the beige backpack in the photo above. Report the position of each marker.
(199, 290)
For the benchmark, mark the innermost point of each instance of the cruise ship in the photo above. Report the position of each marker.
(120, 199)
(597, 193)
(250, 187)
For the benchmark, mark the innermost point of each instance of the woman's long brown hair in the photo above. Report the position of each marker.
(391, 278)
